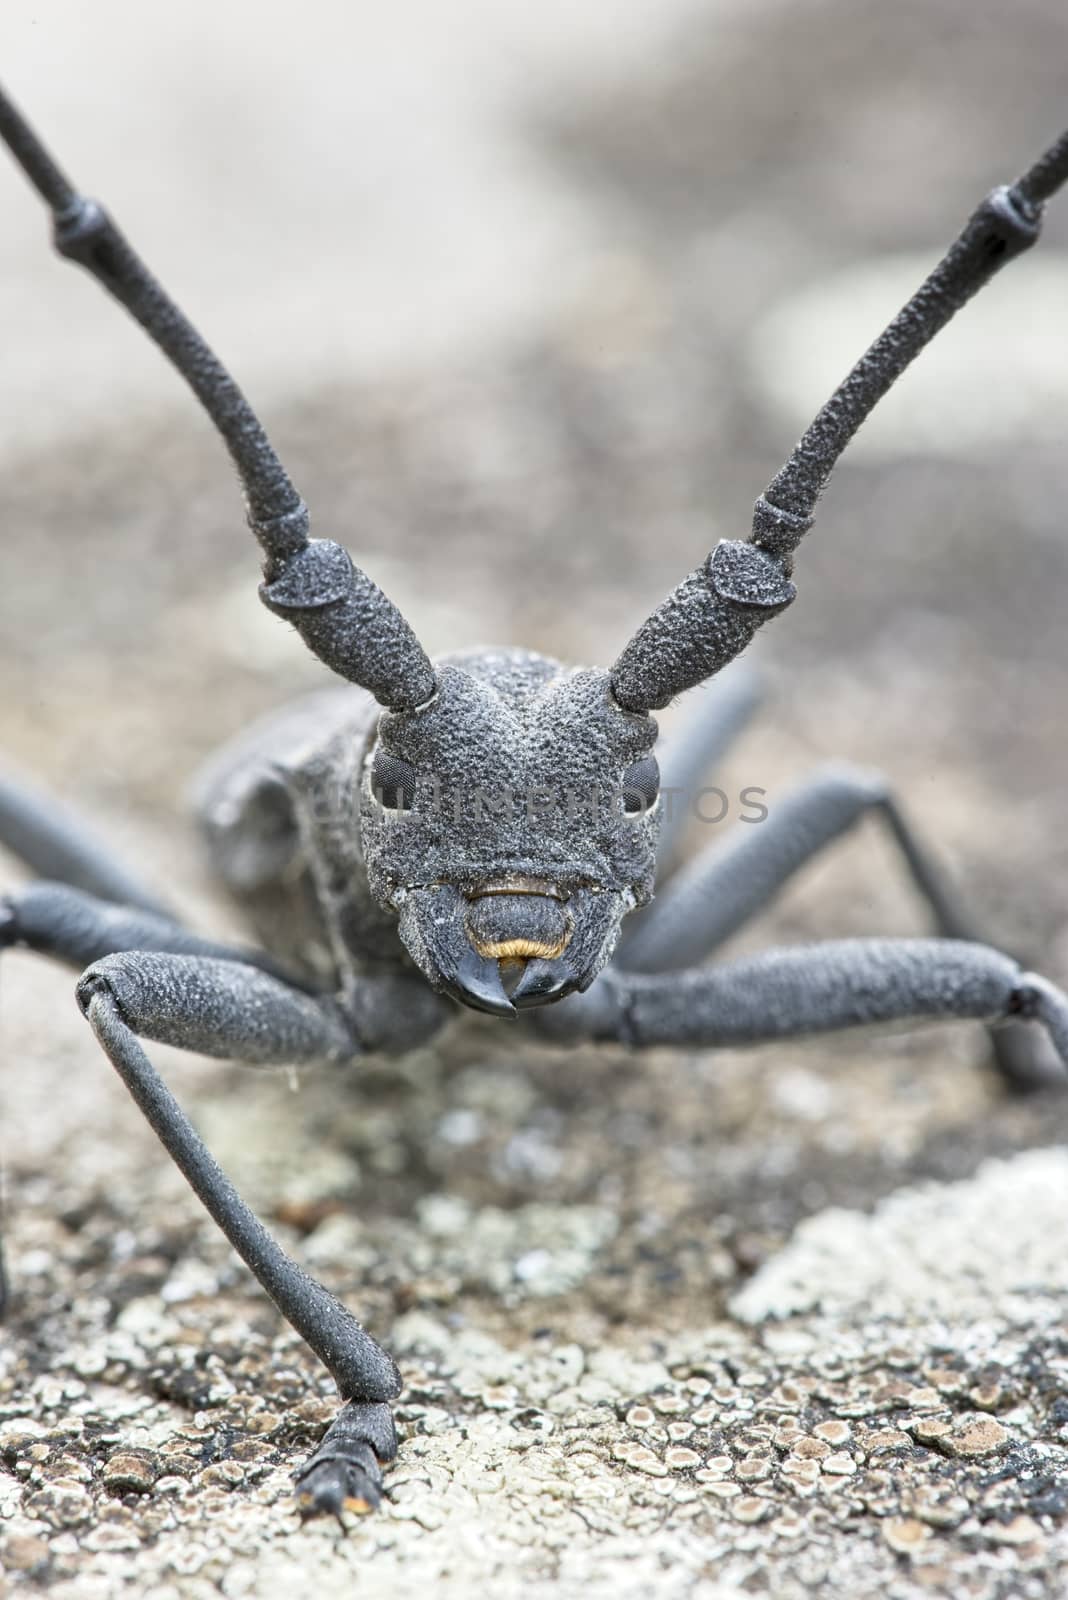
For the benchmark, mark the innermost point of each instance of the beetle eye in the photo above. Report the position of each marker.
(393, 782)
(640, 787)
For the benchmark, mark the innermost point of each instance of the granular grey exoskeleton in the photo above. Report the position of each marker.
(476, 829)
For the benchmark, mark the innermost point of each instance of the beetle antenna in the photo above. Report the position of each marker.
(713, 614)
(341, 615)
(1007, 223)
(85, 233)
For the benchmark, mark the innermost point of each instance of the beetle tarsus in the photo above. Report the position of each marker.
(345, 1473)
(333, 1487)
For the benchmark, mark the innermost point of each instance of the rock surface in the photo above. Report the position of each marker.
(908, 1435)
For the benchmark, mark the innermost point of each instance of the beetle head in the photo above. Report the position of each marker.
(511, 821)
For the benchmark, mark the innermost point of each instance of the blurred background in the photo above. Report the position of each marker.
(533, 301)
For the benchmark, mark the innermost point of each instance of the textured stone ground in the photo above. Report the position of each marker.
(789, 1321)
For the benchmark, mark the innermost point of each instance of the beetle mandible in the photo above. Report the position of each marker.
(475, 829)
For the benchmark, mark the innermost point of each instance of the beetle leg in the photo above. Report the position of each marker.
(722, 709)
(808, 989)
(726, 885)
(55, 843)
(345, 1473)
(224, 1009)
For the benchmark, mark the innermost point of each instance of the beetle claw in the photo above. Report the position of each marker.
(331, 1487)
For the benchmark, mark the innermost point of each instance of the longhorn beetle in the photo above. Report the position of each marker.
(475, 829)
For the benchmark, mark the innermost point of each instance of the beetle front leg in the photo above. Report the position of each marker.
(220, 1007)
(149, 976)
(224, 1008)
(345, 1473)
(807, 989)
